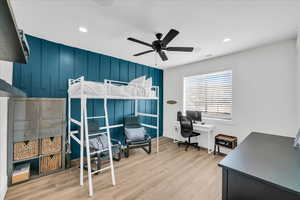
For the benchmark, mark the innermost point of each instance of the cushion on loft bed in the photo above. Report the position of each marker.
(140, 81)
(148, 83)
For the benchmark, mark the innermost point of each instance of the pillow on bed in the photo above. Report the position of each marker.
(139, 81)
(148, 83)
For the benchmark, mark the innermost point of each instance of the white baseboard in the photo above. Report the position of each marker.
(3, 188)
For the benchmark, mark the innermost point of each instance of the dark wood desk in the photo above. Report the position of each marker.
(262, 167)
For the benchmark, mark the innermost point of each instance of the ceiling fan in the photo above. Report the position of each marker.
(160, 45)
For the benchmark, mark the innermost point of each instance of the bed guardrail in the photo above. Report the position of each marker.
(109, 82)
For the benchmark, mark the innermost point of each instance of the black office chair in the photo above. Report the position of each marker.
(186, 129)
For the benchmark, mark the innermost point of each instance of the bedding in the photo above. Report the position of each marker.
(148, 83)
(140, 81)
(139, 87)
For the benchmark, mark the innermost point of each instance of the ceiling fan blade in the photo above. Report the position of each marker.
(162, 55)
(139, 41)
(169, 37)
(184, 49)
(138, 54)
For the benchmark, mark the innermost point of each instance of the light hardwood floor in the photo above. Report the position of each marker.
(172, 174)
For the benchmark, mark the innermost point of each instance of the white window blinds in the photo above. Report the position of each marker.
(209, 93)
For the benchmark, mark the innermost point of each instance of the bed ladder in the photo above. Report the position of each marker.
(87, 140)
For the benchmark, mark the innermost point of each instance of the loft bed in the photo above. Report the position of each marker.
(137, 89)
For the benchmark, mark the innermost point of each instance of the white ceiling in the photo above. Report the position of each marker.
(202, 24)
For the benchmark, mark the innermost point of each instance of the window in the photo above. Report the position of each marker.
(210, 94)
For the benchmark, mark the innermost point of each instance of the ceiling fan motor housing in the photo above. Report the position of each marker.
(157, 45)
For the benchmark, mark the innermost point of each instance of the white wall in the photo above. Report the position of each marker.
(264, 90)
(5, 74)
(298, 80)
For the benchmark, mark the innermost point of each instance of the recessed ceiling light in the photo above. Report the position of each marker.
(227, 40)
(83, 29)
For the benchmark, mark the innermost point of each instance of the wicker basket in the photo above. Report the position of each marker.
(50, 163)
(51, 145)
(26, 150)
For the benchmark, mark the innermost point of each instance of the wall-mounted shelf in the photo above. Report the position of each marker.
(12, 47)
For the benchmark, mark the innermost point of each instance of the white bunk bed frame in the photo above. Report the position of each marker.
(83, 124)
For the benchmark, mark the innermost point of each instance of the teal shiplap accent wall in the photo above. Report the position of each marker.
(51, 65)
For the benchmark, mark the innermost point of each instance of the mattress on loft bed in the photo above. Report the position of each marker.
(92, 88)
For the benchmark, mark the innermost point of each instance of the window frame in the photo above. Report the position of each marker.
(211, 116)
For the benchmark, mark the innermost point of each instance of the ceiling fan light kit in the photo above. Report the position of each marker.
(160, 45)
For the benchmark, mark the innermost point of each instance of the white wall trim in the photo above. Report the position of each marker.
(5, 74)
(3, 188)
(298, 78)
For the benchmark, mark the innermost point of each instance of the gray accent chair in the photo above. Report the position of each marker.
(135, 135)
(100, 143)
